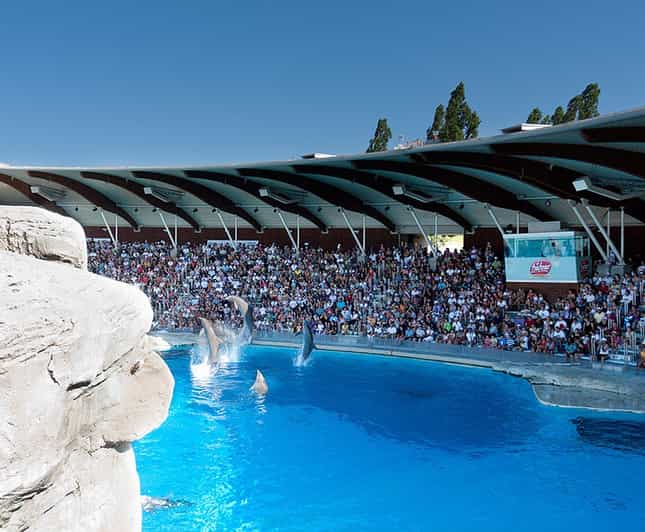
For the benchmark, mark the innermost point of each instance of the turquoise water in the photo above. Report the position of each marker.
(356, 442)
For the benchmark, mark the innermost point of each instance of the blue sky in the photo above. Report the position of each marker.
(217, 81)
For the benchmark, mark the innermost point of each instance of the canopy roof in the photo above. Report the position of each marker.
(531, 172)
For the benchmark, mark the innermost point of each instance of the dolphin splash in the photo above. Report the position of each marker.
(260, 385)
(308, 344)
(214, 341)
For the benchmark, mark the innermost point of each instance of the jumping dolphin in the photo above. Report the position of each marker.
(260, 385)
(214, 341)
(307, 341)
(226, 335)
(247, 313)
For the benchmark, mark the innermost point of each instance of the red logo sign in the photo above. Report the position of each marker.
(540, 267)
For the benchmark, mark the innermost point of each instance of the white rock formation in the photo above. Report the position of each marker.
(42, 234)
(79, 381)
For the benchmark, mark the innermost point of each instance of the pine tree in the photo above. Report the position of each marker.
(588, 102)
(580, 107)
(382, 136)
(457, 121)
(453, 125)
(558, 116)
(535, 116)
(471, 123)
(571, 113)
(437, 123)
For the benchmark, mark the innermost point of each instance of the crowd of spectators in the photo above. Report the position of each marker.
(393, 293)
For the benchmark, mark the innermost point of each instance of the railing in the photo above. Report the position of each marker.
(388, 345)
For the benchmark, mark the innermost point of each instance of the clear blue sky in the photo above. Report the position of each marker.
(220, 81)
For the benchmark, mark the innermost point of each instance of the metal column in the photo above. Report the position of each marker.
(116, 229)
(436, 232)
(235, 228)
(619, 256)
(591, 236)
(172, 240)
(364, 232)
(608, 230)
(622, 232)
(176, 239)
(298, 231)
(286, 228)
(228, 233)
(109, 229)
(421, 230)
(494, 218)
(351, 230)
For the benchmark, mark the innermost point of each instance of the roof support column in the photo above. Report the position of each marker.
(429, 246)
(364, 232)
(228, 233)
(591, 236)
(298, 231)
(585, 204)
(351, 230)
(436, 231)
(286, 228)
(116, 228)
(109, 229)
(494, 218)
(622, 231)
(608, 229)
(176, 238)
(173, 241)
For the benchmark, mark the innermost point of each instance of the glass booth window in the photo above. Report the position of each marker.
(545, 247)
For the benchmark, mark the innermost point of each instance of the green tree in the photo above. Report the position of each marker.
(382, 136)
(535, 116)
(460, 121)
(571, 113)
(580, 107)
(471, 123)
(437, 122)
(588, 102)
(558, 116)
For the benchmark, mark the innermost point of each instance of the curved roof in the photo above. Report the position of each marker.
(530, 172)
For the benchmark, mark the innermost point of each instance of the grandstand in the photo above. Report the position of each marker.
(563, 205)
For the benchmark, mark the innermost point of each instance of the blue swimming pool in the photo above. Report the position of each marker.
(356, 442)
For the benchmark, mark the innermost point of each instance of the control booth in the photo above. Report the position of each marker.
(552, 262)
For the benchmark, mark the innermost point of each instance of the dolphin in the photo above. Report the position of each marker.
(226, 335)
(307, 341)
(247, 313)
(260, 385)
(150, 504)
(214, 341)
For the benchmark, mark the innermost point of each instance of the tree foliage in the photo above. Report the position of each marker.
(588, 102)
(457, 121)
(437, 122)
(558, 116)
(382, 136)
(580, 107)
(535, 116)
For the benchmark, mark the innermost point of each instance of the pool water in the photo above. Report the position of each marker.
(354, 442)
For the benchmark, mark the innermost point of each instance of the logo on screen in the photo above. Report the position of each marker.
(540, 267)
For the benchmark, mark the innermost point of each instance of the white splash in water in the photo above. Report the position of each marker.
(299, 361)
